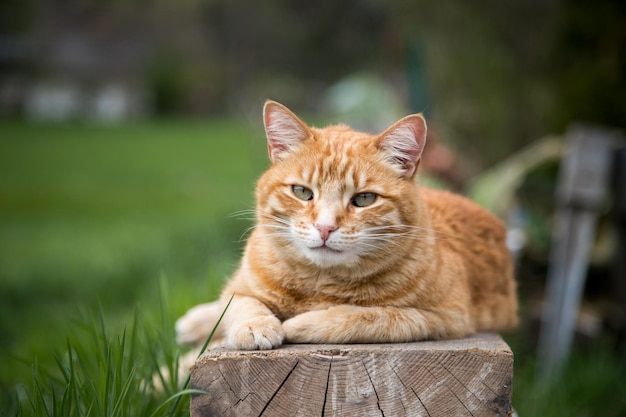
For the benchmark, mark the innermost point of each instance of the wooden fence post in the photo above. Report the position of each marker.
(618, 184)
(465, 377)
(582, 185)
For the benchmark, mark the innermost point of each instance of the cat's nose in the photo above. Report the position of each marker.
(325, 230)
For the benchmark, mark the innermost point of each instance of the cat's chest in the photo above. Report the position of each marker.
(291, 303)
(296, 300)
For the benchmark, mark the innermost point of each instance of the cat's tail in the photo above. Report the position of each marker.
(197, 324)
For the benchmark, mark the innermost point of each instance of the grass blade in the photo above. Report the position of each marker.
(204, 346)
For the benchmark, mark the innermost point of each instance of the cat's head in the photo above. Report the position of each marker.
(335, 197)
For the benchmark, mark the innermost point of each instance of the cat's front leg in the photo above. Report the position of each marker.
(251, 325)
(355, 324)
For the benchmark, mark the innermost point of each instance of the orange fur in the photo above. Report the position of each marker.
(412, 264)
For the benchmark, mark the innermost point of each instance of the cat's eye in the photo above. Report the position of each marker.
(302, 193)
(363, 199)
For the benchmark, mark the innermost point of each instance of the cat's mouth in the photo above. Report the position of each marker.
(325, 249)
(326, 256)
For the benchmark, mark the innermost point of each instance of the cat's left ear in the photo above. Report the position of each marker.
(403, 143)
(284, 130)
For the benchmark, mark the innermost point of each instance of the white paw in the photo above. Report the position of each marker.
(259, 333)
(197, 324)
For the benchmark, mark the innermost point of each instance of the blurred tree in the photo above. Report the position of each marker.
(505, 72)
(590, 62)
(494, 74)
(316, 43)
(167, 83)
(16, 16)
(486, 65)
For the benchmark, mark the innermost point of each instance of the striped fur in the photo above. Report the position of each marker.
(412, 264)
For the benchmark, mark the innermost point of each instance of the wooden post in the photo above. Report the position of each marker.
(466, 377)
(618, 184)
(582, 186)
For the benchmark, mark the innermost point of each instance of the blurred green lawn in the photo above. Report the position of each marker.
(96, 217)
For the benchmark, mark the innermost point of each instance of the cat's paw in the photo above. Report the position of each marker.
(309, 327)
(259, 333)
(197, 324)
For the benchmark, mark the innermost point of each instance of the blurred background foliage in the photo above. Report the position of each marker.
(130, 132)
(492, 75)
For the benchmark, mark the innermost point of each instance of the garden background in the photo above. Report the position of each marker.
(131, 137)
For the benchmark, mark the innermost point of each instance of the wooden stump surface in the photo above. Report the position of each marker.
(465, 377)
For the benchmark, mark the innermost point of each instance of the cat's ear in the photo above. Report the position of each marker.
(284, 130)
(402, 144)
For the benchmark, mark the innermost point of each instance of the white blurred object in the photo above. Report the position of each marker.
(58, 101)
(53, 101)
(112, 104)
(365, 102)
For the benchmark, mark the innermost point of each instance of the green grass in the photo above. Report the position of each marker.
(592, 385)
(103, 374)
(94, 215)
(107, 234)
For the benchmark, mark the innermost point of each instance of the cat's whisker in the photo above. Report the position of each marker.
(374, 249)
(404, 235)
(282, 235)
(405, 227)
(415, 234)
(384, 243)
(284, 225)
(277, 230)
(276, 226)
(276, 219)
(241, 213)
(246, 232)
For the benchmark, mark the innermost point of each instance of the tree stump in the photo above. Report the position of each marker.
(465, 377)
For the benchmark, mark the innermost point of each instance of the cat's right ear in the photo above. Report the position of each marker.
(284, 130)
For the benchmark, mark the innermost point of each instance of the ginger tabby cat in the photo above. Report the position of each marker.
(348, 248)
